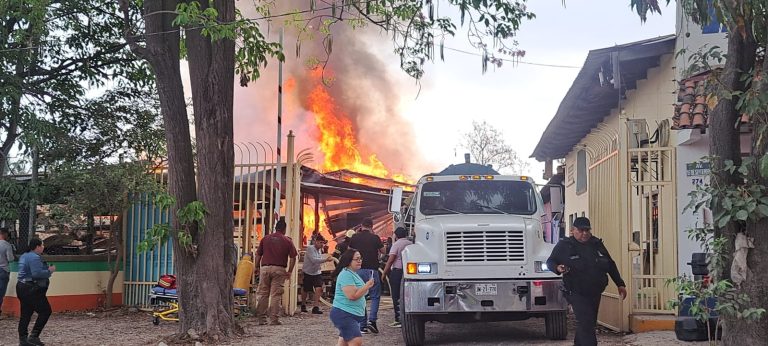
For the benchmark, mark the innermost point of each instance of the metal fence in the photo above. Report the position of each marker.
(252, 212)
(143, 269)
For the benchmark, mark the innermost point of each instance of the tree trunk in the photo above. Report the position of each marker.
(204, 280)
(116, 240)
(162, 52)
(209, 279)
(756, 285)
(90, 229)
(725, 145)
(12, 132)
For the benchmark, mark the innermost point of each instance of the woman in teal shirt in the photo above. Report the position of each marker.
(349, 301)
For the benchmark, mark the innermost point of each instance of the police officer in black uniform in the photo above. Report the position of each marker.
(584, 262)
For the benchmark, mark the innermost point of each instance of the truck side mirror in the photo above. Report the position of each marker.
(396, 199)
(556, 198)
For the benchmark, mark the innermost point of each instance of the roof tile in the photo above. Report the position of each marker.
(692, 109)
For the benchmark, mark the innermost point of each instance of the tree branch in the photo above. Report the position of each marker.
(128, 34)
(64, 69)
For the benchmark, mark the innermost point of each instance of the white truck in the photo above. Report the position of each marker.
(478, 254)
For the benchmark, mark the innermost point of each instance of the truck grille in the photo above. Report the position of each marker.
(485, 246)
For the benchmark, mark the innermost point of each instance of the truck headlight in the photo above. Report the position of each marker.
(421, 268)
(541, 267)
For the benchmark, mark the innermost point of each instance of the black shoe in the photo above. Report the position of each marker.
(23, 341)
(316, 311)
(34, 341)
(372, 327)
(364, 330)
(303, 308)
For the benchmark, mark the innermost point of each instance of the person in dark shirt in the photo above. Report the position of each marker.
(343, 244)
(370, 247)
(584, 262)
(271, 261)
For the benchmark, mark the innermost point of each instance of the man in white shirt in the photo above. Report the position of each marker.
(312, 270)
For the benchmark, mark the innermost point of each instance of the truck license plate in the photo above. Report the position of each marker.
(485, 289)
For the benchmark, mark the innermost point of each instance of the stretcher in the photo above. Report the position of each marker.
(165, 303)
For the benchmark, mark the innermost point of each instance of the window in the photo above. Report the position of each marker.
(478, 197)
(581, 171)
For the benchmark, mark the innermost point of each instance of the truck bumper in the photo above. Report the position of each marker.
(478, 296)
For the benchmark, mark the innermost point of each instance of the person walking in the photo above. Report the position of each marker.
(6, 257)
(370, 247)
(394, 268)
(584, 262)
(271, 261)
(348, 309)
(34, 277)
(312, 281)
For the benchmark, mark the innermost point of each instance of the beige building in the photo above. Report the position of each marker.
(613, 130)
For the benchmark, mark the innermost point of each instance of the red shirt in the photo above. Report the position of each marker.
(275, 249)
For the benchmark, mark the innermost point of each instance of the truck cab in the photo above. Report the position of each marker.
(478, 253)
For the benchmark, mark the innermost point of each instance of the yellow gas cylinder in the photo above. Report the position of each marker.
(244, 273)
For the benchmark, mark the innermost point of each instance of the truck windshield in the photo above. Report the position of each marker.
(477, 197)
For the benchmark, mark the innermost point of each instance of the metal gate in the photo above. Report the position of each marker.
(605, 210)
(252, 212)
(253, 194)
(652, 222)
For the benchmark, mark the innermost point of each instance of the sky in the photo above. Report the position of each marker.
(519, 100)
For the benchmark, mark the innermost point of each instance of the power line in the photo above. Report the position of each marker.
(513, 61)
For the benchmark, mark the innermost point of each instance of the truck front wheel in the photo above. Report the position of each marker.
(556, 325)
(412, 325)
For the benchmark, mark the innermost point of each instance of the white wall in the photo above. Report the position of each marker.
(691, 147)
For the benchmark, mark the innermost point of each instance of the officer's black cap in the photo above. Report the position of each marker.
(582, 223)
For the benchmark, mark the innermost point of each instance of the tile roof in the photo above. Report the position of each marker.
(695, 99)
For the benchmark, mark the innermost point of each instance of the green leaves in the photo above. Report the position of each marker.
(14, 195)
(191, 218)
(742, 215)
(717, 297)
(157, 235)
(191, 213)
(67, 61)
(763, 166)
(253, 49)
(746, 201)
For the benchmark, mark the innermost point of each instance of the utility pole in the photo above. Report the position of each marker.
(279, 164)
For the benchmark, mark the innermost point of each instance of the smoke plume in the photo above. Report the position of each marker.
(362, 84)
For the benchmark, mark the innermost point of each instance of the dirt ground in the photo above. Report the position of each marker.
(123, 327)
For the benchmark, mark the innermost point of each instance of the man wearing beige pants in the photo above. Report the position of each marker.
(271, 262)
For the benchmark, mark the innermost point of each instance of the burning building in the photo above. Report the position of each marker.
(343, 106)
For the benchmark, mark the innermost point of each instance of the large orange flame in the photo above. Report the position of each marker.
(309, 223)
(337, 135)
(340, 148)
